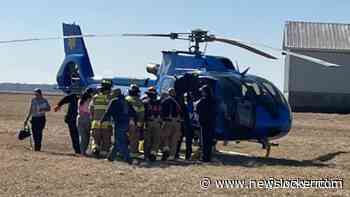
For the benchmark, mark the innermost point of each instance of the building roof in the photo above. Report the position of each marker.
(316, 36)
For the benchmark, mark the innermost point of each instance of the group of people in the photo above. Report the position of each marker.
(151, 123)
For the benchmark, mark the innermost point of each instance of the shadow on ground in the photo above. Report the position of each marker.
(227, 159)
(250, 161)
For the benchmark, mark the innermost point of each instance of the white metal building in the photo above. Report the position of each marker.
(310, 86)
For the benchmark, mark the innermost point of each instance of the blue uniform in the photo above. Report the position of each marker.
(118, 110)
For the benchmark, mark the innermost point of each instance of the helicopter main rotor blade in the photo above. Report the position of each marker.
(309, 58)
(148, 35)
(171, 35)
(58, 38)
(285, 52)
(244, 46)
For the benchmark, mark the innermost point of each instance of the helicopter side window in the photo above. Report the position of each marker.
(227, 63)
(277, 95)
(254, 87)
(270, 88)
(244, 90)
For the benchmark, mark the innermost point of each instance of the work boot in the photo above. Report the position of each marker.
(130, 161)
(103, 154)
(165, 155)
(109, 158)
(37, 147)
(96, 152)
(117, 158)
(152, 157)
(188, 154)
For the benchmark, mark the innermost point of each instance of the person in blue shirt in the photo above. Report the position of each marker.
(118, 111)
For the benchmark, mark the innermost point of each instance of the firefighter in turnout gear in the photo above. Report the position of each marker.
(171, 126)
(101, 132)
(153, 123)
(136, 118)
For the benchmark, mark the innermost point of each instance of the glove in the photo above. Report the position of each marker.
(57, 108)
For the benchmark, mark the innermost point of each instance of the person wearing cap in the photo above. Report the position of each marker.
(71, 99)
(118, 111)
(171, 124)
(101, 133)
(136, 118)
(84, 120)
(38, 107)
(205, 109)
(153, 123)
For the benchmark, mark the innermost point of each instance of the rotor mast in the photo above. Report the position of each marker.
(197, 36)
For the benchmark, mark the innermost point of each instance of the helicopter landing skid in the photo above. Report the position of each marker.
(266, 144)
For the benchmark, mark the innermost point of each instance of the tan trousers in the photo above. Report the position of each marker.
(101, 139)
(134, 136)
(170, 136)
(152, 138)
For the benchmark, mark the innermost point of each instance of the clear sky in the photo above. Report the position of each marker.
(260, 21)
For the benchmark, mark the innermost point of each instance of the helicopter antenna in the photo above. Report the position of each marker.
(237, 66)
(245, 71)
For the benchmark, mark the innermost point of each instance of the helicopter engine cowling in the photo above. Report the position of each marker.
(152, 68)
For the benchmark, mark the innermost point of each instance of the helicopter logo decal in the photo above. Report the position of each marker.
(72, 43)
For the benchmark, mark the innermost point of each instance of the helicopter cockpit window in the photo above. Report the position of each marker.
(253, 86)
(274, 91)
(230, 88)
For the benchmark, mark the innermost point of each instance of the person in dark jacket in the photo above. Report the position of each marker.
(71, 118)
(206, 113)
(186, 126)
(153, 124)
(118, 111)
(171, 128)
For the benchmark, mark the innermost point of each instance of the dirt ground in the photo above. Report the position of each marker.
(317, 148)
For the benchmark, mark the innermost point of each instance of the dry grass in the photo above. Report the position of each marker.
(317, 147)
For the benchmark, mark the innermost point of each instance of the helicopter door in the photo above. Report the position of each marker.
(245, 113)
(245, 107)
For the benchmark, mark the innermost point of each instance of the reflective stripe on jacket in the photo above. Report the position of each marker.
(138, 106)
(99, 105)
(136, 103)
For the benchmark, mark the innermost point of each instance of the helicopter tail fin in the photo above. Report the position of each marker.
(76, 69)
(73, 45)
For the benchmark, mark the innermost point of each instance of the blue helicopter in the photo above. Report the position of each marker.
(249, 108)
